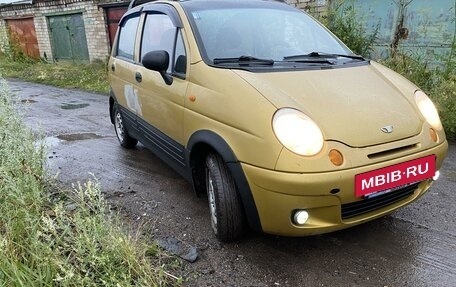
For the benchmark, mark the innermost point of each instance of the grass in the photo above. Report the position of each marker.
(53, 237)
(90, 77)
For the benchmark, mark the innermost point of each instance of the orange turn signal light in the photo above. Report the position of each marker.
(433, 135)
(336, 157)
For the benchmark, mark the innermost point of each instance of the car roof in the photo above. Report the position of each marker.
(137, 6)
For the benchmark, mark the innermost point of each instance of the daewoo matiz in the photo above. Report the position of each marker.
(270, 115)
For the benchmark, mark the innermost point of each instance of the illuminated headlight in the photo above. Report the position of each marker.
(297, 132)
(428, 110)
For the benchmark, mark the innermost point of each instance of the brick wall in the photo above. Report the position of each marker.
(3, 37)
(316, 8)
(93, 16)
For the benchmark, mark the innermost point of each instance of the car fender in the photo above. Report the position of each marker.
(219, 145)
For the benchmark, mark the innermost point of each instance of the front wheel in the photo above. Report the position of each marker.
(227, 216)
(122, 134)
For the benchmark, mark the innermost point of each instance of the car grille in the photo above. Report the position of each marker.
(370, 204)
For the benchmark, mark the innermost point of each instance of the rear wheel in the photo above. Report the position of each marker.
(122, 134)
(227, 216)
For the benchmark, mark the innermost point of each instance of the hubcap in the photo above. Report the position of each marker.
(211, 199)
(119, 127)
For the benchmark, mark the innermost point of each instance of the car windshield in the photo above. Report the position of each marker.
(261, 31)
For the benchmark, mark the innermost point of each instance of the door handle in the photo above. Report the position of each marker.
(113, 67)
(138, 77)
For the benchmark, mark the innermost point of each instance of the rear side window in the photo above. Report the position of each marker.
(127, 38)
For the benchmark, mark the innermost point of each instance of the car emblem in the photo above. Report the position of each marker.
(387, 129)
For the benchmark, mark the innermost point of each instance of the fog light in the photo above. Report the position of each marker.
(433, 135)
(300, 217)
(436, 176)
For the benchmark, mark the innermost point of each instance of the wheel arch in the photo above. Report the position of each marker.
(200, 144)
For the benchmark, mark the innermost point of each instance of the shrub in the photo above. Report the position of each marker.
(439, 82)
(415, 68)
(444, 96)
(343, 20)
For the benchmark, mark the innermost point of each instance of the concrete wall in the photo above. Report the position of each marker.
(94, 22)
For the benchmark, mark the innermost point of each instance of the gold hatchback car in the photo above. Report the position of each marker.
(270, 115)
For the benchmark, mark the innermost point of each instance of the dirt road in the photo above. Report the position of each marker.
(415, 246)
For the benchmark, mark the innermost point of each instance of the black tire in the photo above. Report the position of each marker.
(122, 134)
(227, 216)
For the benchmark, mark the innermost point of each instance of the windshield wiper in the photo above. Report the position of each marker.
(244, 60)
(322, 55)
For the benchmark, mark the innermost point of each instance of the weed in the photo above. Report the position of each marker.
(90, 77)
(415, 68)
(69, 238)
(343, 20)
(437, 81)
(444, 95)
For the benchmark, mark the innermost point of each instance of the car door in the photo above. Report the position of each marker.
(121, 64)
(162, 105)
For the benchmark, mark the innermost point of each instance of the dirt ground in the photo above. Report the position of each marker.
(415, 246)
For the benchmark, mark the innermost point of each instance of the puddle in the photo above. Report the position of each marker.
(28, 101)
(51, 141)
(72, 105)
(56, 140)
(79, 137)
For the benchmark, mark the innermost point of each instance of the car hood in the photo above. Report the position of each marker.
(351, 105)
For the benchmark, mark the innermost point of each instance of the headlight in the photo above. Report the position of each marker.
(428, 110)
(297, 132)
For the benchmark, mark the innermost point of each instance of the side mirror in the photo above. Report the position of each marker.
(158, 61)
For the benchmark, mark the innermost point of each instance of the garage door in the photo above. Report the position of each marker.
(113, 15)
(23, 36)
(69, 40)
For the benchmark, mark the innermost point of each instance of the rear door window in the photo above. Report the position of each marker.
(127, 36)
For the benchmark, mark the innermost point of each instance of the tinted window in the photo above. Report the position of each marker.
(127, 38)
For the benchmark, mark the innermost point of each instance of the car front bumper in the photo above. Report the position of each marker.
(323, 195)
